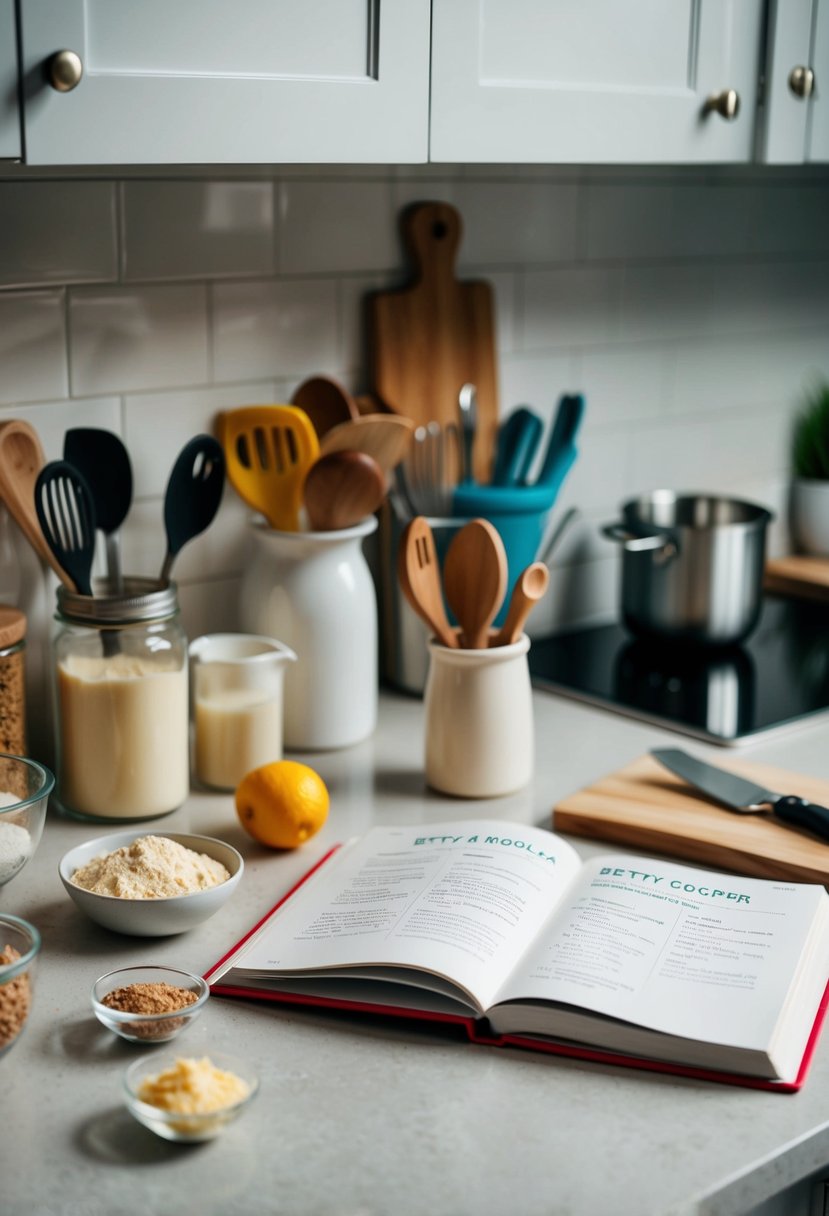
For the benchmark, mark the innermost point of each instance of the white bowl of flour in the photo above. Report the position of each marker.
(151, 884)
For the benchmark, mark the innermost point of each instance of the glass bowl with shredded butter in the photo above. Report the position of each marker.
(149, 1004)
(188, 1098)
(151, 885)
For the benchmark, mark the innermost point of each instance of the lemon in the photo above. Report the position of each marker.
(282, 804)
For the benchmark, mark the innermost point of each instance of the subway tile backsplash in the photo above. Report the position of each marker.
(691, 306)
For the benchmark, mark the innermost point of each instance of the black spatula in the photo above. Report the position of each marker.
(103, 461)
(194, 491)
(65, 509)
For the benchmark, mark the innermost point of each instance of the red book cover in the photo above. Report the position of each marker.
(477, 1028)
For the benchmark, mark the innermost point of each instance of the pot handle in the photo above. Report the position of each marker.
(663, 546)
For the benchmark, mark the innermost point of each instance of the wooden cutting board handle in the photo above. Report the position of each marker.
(432, 232)
(436, 334)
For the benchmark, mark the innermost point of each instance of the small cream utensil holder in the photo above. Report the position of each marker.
(479, 720)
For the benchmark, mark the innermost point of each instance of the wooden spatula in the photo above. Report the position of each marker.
(21, 459)
(268, 451)
(475, 579)
(384, 437)
(419, 575)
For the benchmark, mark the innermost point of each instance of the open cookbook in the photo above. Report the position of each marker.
(504, 929)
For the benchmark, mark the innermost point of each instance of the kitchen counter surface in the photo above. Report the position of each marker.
(362, 1117)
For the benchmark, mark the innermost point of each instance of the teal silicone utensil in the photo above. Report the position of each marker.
(520, 512)
(518, 439)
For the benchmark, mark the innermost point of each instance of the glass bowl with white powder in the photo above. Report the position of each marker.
(25, 787)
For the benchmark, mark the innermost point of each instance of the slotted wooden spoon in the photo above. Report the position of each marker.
(419, 575)
(475, 579)
(21, 459)
(268, 452)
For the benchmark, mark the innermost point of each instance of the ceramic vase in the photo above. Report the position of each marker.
(314, 592)
(810, 516)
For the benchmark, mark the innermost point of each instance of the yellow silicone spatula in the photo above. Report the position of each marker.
(268, 450)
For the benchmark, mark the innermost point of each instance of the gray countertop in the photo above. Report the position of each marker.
(365, 1117)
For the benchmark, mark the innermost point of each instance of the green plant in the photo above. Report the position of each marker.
(810, 441)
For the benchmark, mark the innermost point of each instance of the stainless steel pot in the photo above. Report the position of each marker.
(692, 566)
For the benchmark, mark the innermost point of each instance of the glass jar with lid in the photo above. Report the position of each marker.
(12, 681)
(121, 702)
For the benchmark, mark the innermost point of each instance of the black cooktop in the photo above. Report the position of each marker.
(776, 679)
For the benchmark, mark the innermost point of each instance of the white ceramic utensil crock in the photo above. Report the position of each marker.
(479, 720)
(314, 591)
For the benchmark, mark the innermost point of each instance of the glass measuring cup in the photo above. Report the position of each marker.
(237, 699)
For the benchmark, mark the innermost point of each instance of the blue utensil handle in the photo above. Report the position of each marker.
(517, 442)
(803, 814)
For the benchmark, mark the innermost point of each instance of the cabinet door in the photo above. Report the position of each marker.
(211, 81)
(795, 113)
(9, 115)
(593, 80)
(818, 134)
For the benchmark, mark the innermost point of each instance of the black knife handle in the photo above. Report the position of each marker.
(804, 814)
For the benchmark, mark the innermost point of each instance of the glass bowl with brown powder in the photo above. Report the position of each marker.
(150, 1004)
(19, 948)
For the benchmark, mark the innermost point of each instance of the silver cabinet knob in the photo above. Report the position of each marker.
(725, 103)
(802, 82)
(65, 70)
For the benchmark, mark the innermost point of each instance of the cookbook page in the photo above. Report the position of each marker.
(679, 950)
(460, 900)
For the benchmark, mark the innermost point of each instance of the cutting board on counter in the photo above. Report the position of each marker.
(643, 806)
(430, 338)
(799, 575)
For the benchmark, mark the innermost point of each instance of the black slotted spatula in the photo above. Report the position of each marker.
(64, 506)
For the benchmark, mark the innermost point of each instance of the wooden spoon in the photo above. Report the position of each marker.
(21, 459)
(529, 588)
(419, 575)
(326, 403)
(475, 579)
(341, 489)
(385, 437)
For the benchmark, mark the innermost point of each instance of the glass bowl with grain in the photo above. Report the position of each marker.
(150, 1004)
(19, 948)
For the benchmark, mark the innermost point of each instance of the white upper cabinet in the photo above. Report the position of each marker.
(9, 116)
(208, 82)
(795, 116)
(818, 146)
(595, 80)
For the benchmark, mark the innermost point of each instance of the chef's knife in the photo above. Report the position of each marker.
(740, 795)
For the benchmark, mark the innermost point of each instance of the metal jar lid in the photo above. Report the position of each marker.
(142, 599)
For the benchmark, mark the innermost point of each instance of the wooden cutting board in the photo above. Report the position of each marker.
(806, 577)
(437, 334)
(643, 806)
